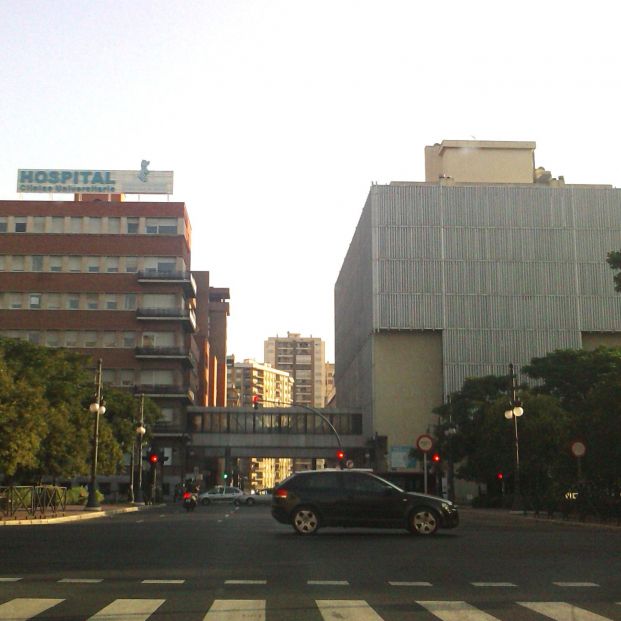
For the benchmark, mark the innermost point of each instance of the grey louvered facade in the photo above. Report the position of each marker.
(494, 273)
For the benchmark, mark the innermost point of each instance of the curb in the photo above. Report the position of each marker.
(83, 515)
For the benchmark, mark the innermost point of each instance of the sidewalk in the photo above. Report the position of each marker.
(72, 513)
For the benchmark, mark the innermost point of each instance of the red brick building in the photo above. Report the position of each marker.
(113, 279)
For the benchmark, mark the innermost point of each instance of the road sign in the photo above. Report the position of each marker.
(424, 443)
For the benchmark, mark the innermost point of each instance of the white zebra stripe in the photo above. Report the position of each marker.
(236, 610)
(24, 608)
(346, 610)
(456, 611)
(129, 610)
(562, 611)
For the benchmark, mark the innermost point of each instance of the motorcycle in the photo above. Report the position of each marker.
(189, 501)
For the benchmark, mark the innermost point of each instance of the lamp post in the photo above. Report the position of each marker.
(97, 408)
(140, 431)
(514, 411)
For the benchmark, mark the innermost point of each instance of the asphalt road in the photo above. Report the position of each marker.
(214, 563)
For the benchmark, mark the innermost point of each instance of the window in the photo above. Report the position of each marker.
(161, 226)
(111, 302)
(18, 264)
(37, 263)
(160, 300)
(90, 339)
(108, 376)
(168, 415)
(52, 338)
(1, 263)
(53, 301)
(38, 224)
(151, 226)
(73, 301)
(15, 300)
(109, 339)
(132, 225)
(94, 225)
(72, 339)
(75, 225)
(166, 264)
(112, 264)
(131, 264)
(56, 264)
(75, 264)
(34, 338)
(127, 377)
(3, 224)
(92, 301)
(114, 226)
(20, 225)
(361, 484)
(157, 377)
(130, 301)
(34, 300)
(129, 339)
(93, 264)
(58, 224)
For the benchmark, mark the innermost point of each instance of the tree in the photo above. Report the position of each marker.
(614, 260)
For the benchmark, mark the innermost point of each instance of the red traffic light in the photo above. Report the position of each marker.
(255, 401)
(435, 457)
(499, 476)
(340, 454)
(153, 458)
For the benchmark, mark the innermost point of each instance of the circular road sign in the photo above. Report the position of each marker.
(424, 443)
(578, 449)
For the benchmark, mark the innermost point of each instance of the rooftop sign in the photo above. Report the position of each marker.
(141, 181)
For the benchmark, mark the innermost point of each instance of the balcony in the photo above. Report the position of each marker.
(183, 278)
(165, 391)
(168, 314)
(165, 353)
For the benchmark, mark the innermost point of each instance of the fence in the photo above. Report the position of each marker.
(35, 500)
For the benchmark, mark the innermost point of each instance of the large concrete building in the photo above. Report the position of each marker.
(249, 379)
(489, 261)
(304, 358)
(112, 279)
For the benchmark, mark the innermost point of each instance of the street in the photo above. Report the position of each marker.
(228, 563)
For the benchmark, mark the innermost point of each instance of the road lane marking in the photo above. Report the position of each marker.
(562, 611)
(236, 610)
(81, 580)
(415, 584)
(10, 579)
(24, 608)
(493, 584)
(346, 610)
(576, 584)
(456, 611)
(245, 582)
(163, 582)
(328, 582)
(128, 610)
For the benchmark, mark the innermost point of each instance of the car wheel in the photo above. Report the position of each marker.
(250, 501)
(305, 521)
(423, 521)
(205, 501)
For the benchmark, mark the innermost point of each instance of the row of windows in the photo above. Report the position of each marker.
(88, 301)
(92, 338)
(90, 264)
(90, 225)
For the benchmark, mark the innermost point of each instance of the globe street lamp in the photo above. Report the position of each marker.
(514, 411)
(97, 408)
(140, 431)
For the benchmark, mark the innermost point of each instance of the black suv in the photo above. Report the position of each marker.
(316, 498)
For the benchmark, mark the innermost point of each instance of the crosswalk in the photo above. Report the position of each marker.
(141, 609)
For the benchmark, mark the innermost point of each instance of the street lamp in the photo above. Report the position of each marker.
(514, 411)
(140, 431)
(97, 408)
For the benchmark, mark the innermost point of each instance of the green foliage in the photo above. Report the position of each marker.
(46, 428)
(614, 260)
(79, 495)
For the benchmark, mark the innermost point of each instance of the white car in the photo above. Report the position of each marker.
(220, 493)
(258, 497)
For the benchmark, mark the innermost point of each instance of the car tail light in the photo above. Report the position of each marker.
(281, 493)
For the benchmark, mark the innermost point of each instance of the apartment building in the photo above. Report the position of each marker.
(304, 358)
(247, 379)
(112, 279)
(489, 261)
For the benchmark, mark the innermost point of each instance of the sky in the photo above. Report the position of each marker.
(276, 116)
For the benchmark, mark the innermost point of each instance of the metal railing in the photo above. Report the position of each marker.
(34, 500)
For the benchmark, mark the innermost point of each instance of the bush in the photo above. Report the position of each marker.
(79, 495)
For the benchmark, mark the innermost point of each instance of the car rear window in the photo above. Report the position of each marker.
(323, 481)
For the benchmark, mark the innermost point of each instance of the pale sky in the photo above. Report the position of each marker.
(277, 115)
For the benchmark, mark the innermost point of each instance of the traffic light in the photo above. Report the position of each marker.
(436, 458)
(500, 476)
(153, 458)
(255, 401)
(340, 455)
(225, 476)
